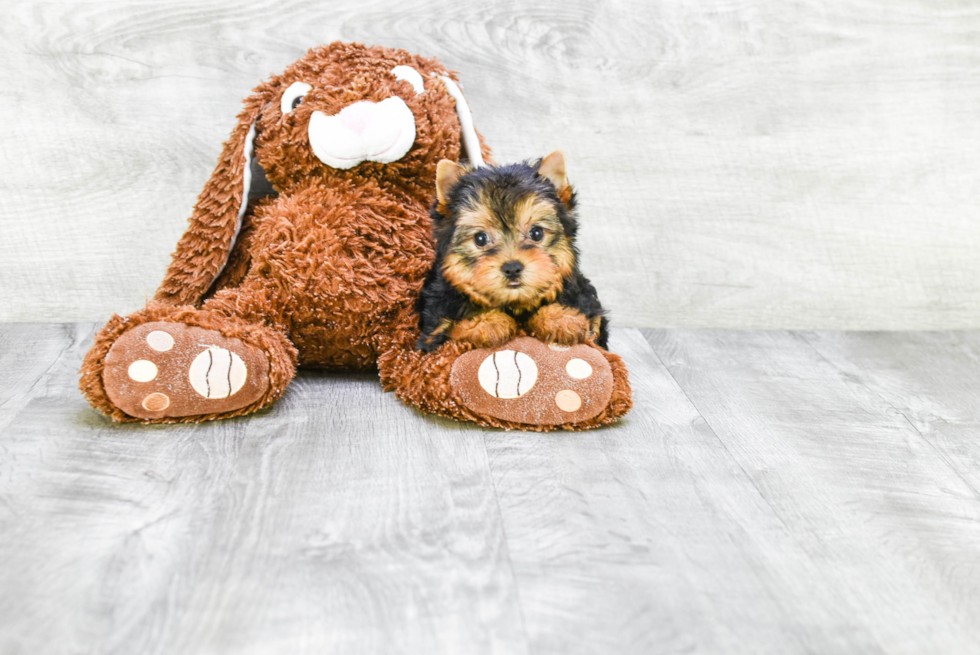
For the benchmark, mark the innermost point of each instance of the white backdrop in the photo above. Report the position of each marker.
(740, 164)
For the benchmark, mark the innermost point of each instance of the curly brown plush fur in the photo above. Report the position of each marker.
(326, 271)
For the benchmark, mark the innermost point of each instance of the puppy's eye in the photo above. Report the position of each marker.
(293, 96)
(481, 239)
(536, 233)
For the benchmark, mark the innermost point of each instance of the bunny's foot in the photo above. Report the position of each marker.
(161, 369)
(528, 382)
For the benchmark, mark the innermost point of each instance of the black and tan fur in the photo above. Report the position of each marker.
(506, 258)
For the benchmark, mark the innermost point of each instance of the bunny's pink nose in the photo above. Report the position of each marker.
(358, 116)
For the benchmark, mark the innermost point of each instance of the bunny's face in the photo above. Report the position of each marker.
(351, 110)
(345, 113)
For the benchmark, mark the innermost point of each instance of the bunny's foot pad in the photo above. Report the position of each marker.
(163, 369)
(527, 381)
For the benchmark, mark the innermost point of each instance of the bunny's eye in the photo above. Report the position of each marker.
(293, 96)
(410, 75)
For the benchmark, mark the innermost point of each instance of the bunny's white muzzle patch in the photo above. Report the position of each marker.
(364, 131)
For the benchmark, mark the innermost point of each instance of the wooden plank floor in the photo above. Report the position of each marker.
(772, 492)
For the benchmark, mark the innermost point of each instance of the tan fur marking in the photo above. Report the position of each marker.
(447, 175)
(534, 211)
(595, 325)
(478, 217)
(444, 326)
(553, 168)
(563, 256)
(487, 329)
(558, 324)
(461, 277)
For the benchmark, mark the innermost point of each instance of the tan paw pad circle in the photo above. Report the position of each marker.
(507, 374)
(578, 368)
(217, 373)
(156, 402)
(142, 370)
(567, 400)
(160, 341)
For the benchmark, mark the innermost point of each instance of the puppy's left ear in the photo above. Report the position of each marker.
(448, 173)
(552, 168)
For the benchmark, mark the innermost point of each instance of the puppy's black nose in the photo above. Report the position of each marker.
(512, 269)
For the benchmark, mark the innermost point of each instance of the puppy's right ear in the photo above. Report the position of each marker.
(448, 173)
(552, 168)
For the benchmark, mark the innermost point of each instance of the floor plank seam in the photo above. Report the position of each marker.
(44, 374)
(891, 406)
(503, 531)
(724, 445)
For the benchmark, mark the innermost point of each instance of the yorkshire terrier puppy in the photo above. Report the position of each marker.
(506, 257)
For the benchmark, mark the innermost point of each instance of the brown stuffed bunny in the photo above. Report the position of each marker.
(309, 246)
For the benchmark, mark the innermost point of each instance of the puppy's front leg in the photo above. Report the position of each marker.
(559, 324)
(486, 329)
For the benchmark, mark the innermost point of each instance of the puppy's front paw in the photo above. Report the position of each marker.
(561, 325)
(486, 330)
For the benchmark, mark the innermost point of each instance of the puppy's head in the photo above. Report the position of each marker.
(505, 236)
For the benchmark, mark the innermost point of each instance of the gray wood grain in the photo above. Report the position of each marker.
(653, 538)
(771, 492)
(757, 164)
(890, 524)
(931, 379)
(33, 354)
(338, 521)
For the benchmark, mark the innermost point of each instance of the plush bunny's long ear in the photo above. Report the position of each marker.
(203, 251)
(471, 142)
